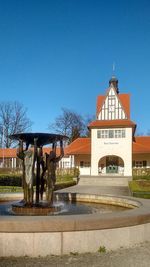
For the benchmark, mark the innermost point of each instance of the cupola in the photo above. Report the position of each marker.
(114, 82)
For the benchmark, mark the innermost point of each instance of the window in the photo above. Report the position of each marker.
(98, 134)
(144, 163)
(140, 164)
(84, 164)
(118, 133)
(111, 133)
(123, 134)
(81, 164)
(104, 134)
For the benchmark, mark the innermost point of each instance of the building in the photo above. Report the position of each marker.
(113, 149)
(8, 158)
(111, 153)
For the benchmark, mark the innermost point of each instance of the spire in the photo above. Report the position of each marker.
(114, 82)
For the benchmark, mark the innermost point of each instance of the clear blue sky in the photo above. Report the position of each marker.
(59, 53)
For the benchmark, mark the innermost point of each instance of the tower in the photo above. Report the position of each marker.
(112, 134)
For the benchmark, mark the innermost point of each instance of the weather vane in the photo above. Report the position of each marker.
(113, 67)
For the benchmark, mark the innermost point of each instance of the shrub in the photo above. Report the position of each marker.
(141, 177)
(102, 249)
(64, 185)
(73, 172)
(140, 188)
(16, 180)
(10, 180)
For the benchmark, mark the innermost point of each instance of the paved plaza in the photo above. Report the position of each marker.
(138, 256)
(100, 190)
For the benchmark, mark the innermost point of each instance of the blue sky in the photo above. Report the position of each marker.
(59, 53)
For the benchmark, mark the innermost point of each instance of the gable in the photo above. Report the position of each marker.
(111, 107)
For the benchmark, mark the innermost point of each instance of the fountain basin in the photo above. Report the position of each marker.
(34, 210)
(45, 235)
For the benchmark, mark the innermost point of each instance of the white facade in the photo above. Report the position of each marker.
(111, 147)
(107, 148)
(83, 163)
(67, 162)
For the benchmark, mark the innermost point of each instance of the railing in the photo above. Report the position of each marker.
(68, 171)
(59, 172)
(141, 171)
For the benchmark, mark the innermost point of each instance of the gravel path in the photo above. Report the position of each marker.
(138, 256)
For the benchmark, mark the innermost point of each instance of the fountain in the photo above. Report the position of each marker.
(38, 166)
(65, 233)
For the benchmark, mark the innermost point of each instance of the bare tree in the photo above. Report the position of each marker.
(13, 119)
(87, 120)
(69, 123)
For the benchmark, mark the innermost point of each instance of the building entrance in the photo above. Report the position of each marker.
(112, 164)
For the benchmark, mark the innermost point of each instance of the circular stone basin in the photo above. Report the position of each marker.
(45, 235)
(59, 208)
(69, 204)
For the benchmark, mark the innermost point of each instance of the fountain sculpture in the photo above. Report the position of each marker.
(40, 167)
(46, 235)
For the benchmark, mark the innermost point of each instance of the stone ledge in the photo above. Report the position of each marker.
(35, 236)
(67, 223)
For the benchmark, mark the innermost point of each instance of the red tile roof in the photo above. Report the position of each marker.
(100, 101)
(124, 99)
(8, 152)
(141, 145)
(12, 152)
(111, 123)
(79, 146)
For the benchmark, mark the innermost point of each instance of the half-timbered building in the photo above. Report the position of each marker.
(113, 149)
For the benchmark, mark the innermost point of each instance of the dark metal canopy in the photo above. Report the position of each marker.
(42, 138)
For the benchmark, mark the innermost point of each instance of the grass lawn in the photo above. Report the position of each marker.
(140, 188)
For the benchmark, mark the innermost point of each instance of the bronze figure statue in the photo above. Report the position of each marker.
(51, 163)
(28, 157)
(35, 165)
(50, 166)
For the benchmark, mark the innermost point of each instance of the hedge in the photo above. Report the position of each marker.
(141, 177)
(10, 180)
(16, 180)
